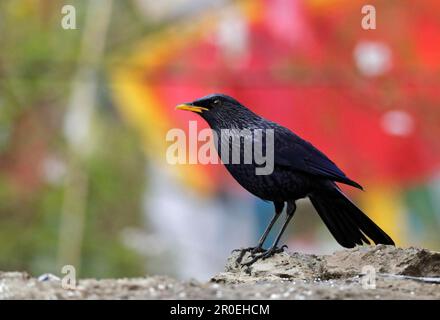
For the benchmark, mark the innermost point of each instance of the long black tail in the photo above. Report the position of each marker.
(346, 222)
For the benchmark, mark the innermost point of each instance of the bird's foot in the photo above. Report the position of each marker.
(265, 255)
(253, 251)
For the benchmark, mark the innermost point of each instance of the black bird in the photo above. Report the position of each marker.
(300, 170)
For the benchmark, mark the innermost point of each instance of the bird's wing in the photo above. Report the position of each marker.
(296, 153)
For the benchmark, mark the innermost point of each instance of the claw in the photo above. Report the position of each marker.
(257, 250)
(253, 251)
(264, 255)
(283, 247)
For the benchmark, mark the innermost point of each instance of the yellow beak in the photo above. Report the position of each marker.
(188, 107)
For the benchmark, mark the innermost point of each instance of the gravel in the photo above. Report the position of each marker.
(392, 273)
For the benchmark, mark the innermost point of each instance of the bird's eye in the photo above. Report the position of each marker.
(217, 102)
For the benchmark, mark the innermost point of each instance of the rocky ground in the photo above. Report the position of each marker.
(396, 273)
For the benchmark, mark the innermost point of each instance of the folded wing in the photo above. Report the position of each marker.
(298, 154)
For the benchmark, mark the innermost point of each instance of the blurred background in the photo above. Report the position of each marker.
(84, 113)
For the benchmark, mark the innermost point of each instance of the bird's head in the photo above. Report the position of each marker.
(215, 108)
(211, 103)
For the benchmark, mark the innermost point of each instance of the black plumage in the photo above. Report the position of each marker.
(300, 170)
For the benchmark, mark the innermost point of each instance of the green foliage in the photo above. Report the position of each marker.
(38, 61)
(116, 183)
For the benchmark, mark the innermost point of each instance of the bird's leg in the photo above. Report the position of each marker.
(291, 207)
(259, 248)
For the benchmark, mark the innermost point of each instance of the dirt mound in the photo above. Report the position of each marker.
(376, 272)
(384, 260)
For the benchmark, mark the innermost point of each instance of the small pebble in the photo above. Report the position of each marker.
(275, 296)
(48, 277)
